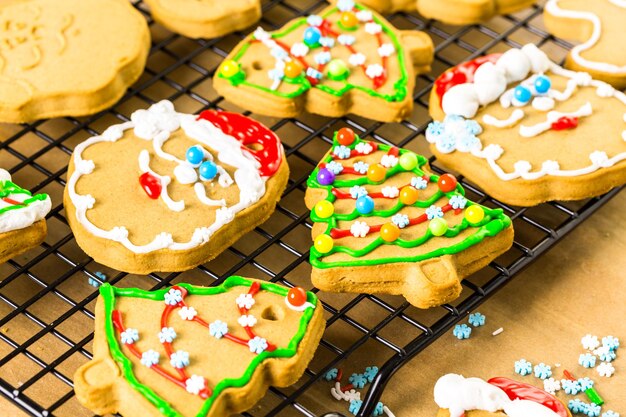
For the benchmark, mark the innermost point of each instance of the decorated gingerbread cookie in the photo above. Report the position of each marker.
(467, 12)
(205, 18)
(599, 25)
(526, 130)
(67, 57)
(22, 218)
(169, 191)
(473, 397)
(347, 59)
(386, 6)
(383, 223)
(189, 351)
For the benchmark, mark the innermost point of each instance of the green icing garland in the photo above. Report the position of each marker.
(109, 293)
(8, 188)
(493, 223)
(400, 86)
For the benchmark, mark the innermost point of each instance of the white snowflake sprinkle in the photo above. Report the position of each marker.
(245, 301)
(390, 191)
(356, 60)
(373, 28)
(247, 320)
(389, 161)
(386, 50)
(359, 229)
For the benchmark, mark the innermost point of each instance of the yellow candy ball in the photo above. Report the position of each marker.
(324, 243)
(349, 20)
(293, 69)
(229, 68)
(324, 209)
(474, 214)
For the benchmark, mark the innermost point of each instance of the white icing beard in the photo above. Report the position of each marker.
(459, 394)
(156, 124)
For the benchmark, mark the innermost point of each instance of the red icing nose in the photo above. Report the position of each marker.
(151, 185)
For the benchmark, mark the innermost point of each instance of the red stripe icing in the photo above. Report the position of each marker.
(518, 390)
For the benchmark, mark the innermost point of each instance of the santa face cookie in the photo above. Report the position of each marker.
(345, 60)
(467, 12)
(599, 25)
(22, 218)
(52, 59)
(205, 18)
(384, 224)
(189, 351)
(473, 397)
(169, 191)
(526, 130)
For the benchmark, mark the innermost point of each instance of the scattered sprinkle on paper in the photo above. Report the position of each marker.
(497, 332)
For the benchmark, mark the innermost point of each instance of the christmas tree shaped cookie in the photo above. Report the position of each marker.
(168, 191)
(191, 351)
(346, 59)
(383, 223)
(22, 218)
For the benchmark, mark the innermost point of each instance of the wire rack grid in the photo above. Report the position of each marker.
(47, 302)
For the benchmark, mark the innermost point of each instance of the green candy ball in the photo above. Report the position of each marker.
(337, 70)
(438, 226)
(408, 161)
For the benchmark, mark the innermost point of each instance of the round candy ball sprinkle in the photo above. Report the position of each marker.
(195, 155)
(324, 209)
(312, 36)
(324, 243)
(345, 136)
(447, 183)
(337, 69)
(522, 94)
(389, 232)
(207, 171)
(293, 69)
(474, 214)
(438, 226)
(542, 84)
(297, 296)
(229, 68)
(325, 176)
(349, 20)
(408, 195)
(408, 161)
(365, 204)
(376, 173)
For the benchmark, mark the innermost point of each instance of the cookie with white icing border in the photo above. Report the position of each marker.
(168, 191)
(386, 6)
(527, 130)
(22, 218)
(189, 351)
(474, 397)
(346, 59)
(205, 18)
(68, 57)
(467, 12)
(599, 25)
(383, 223)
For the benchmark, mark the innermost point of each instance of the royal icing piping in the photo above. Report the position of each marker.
(18, 207)
(461, 101)
(553, 8)
(516, 116)
(156, 124)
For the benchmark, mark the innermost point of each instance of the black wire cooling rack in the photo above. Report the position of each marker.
(46, 301)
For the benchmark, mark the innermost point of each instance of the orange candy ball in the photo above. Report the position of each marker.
(408, 195)
(349, 20)
(345, 136)
(447, 183)
(296, 296)
(389, 232)
(376, 172)
(293, 69)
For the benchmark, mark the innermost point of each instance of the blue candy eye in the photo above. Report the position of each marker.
(195, 155)
(312, 36)
(365, 204)
(542, 84)
(208, 171)
(522, 94)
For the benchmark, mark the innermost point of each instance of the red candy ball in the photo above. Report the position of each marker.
(151, 185)
(447, 183)
(345, 136)
(296, 296)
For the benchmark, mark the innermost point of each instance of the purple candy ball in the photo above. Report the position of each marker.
(325, 176)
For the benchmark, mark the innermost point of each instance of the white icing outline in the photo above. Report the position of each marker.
(25, 216)
(251, 184)
(553, 8)
(516, 116)
(551, 117)
(299, 308)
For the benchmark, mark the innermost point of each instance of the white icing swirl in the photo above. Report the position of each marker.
(516, 116)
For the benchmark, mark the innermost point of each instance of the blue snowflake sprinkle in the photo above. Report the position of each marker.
(173, 297)
(454, 133)
(610, 413)
(606, 354)
(433, 211)
(434, 128)
(358, 380)
(129, 336)
(218, 329)
(543, 371)
(346, 39)
(355, 406)
(593, 410)
(587, 360)
(419, 183)
(611, 342)
(570, 387)
(379, 410)
(585, 383)
(357, 191)
(370, 373)
(322, 58)
(334, 167)
(331, 375)
(314, 20)
(150, 358)
(400, 220)
(257, 345)
(327, 41)
(477, 319)
(313, 73)
(361, 167)
(462, 331)
(577, 406)
(179, 359)
(523, 367)
(94, 282)
(167, 335)
(342, 152)
(458, 201)
(473, 127)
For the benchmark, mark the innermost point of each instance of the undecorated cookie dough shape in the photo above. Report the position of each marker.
(383, 223)
(190, 351)
(527, 130)
(169, 191)
(205, 18)
(599, 25)
(467, 12)
(347, 59)
(67, 57)
(22, 218)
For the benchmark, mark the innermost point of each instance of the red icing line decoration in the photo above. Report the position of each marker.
(151, 185)
(258, 140)
(462, 73)
(13, 202)
(564, 123)
(523, 391)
